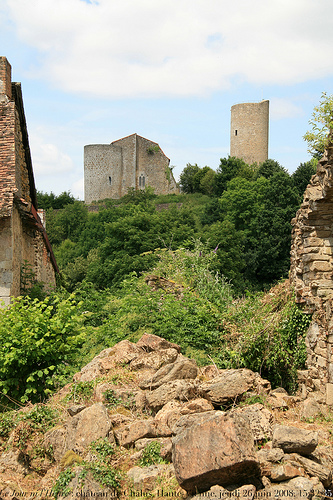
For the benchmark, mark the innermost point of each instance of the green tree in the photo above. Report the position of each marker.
(186, 178)
(228, 169)
(268, 168)
(303, 174)
(50, 200)
(321, 124)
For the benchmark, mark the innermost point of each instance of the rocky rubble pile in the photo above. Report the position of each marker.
(212, 443)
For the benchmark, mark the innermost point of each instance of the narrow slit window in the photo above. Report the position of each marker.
(235, 132)
(142, 181)
(110, 180)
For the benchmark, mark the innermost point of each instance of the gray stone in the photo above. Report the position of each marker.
(294, 440)
(179, 370)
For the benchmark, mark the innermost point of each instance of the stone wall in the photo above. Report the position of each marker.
(132, 162)
(311, 275)
(249, 131)
(22, 236)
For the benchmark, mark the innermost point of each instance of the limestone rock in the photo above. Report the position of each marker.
(145, 478)
(187, 421)
(294, 440)
(230, 385)
(123, 352)
(154, 359)
(149, 342)
(180, 370)
(260, 420)
(314, 469)
(174, 410)
(310, 409)
(181, 390)
(75, 409)
(128, 434)
(78, 432)
(298, 488)
(220, 450)
(87, 488)
(275, 455)
(283, 472)
(13, 460)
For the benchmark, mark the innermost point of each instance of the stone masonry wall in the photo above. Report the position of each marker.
(111, 169)
(311, 274)
(249, 131)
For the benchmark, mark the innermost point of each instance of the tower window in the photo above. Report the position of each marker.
(142, 181)
(110, 180)
(235, 132)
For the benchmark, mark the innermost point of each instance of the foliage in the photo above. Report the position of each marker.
(303, 174)
(81, 392)
(267, 335)
(61, 489)
(104, 474)
(230, 168)
(268, 168)
(186, 178)
(321, 123)
(30, 286)
(47, 201)
(111, 399)
(36, 339)
(103, 448)
(151, 455)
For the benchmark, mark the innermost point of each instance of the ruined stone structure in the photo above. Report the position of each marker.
(22, 235)
(132, 162)
(249, 131)
(312, 272)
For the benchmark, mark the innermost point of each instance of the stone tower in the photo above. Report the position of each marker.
(131, 162)
(249, 131)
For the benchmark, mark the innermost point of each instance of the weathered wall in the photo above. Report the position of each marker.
(22, 237)
(249, 131)
(110, 170)
(312, 272)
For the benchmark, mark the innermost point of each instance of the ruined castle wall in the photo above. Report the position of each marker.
(131, 162)
(128, 147)
(312, 271)
(249, 131)
(6, 257)
(103, 172)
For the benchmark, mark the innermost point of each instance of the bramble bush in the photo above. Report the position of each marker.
(37, 340)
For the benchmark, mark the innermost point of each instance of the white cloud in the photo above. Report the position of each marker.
(77, 188)
(280, 108)
(47, 158)
(127, 48)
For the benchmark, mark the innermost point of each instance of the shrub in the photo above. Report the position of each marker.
(37, 339)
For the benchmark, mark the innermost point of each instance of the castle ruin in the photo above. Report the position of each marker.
(311, 275)
(249, 131)
(132, 162)
(23, 237)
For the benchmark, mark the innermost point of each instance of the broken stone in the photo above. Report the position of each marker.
(294, 440)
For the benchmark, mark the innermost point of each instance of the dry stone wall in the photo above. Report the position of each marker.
(311, 274)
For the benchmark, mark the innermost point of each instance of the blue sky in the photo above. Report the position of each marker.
(95, 71)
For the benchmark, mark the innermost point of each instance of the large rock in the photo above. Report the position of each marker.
(260, 419)
(149, 342)
(230, 386)
(220, 450)
(123, 352)
(154, 359)
(294, 440)
(79, 431)
(129, 433)
(146, 478)
(174, 410)
(180, 370)
(181, 390)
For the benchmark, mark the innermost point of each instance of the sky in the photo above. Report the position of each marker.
(94, 71)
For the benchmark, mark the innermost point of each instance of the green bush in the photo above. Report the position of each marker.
(37, 340)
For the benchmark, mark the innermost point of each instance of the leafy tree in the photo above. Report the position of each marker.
(186, 178)
(47, 201)
(67, 223)
(228, 169)
(321, 124)
(303, 174)
(268, 168)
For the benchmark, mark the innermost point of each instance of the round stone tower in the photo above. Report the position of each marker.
(249, 131)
